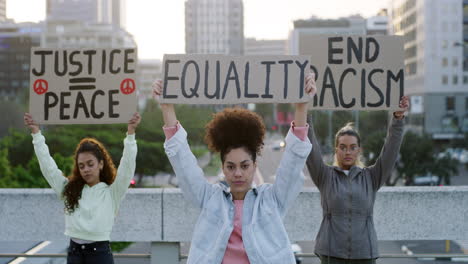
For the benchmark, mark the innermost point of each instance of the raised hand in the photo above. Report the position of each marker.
(133, 123)
(300, 116)
(404, 103)
(29, 122)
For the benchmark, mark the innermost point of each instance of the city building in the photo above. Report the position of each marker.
(76, 34)
(2, 11)
(88, 11)
(148, 71)
(214, 27)
(378, 25)
(303, 29)
(16, 41)
(254, 46)
(436, 61)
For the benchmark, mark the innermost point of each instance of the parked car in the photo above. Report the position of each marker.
(278, 144)
(428, 180)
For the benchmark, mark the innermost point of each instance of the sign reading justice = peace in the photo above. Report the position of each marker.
(83, 86)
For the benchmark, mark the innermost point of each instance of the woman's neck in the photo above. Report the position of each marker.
(238, 195)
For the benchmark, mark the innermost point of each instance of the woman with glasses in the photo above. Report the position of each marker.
(348, 190)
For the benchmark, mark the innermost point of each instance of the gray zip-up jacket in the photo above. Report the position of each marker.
(263, 233)
(347, 229)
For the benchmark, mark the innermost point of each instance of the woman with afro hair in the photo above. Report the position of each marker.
(238, 223)
(91, 194)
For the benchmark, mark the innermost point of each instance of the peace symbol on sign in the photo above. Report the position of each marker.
(40, 86)
(127, 86)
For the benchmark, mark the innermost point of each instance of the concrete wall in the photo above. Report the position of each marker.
(401, 213)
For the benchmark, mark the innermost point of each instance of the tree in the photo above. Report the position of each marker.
(418, 157)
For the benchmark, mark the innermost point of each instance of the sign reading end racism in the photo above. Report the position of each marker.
(222, 79)
(356, 72)
(82, 86)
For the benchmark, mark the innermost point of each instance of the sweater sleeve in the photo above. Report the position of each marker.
(382, 169)
(49, 168)
(126, 170)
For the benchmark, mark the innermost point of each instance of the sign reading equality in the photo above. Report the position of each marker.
(356, 72)
(223, 79)
(82, 86)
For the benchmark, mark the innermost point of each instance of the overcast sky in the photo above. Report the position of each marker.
(158, 25)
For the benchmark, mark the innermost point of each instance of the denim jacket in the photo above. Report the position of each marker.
(263, 232)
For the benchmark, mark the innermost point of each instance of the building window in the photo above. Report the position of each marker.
(450, 123)
(444, 44)
(455, 79)
(455, 62)
(450, 103)
(444, 62)
(444, 79)
(465, 79)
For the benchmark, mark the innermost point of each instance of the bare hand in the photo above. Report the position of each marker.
(404, 103)
(133, 123)
(157, 89)
(29, 122)
(310, 89)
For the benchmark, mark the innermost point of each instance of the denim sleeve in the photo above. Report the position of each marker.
(195, 187)
(289, 176)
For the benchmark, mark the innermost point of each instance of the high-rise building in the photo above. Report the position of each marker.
(378, 25)
(16, 41)
(254, 46)
(214, 27)
(148, 71)
(314, 26)
(436, 61)
(76, 34)
(88, 11)
(2, 11)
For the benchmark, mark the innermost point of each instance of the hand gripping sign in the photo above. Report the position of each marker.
(83, 86)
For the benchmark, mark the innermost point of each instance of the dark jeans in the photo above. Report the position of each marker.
(94, 253)
(332, 260)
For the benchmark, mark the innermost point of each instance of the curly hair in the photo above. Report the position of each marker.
(235, 128)
(72, 191)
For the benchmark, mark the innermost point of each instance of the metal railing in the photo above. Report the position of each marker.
(302, 255)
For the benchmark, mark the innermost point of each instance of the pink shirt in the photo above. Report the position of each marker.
(235, 251)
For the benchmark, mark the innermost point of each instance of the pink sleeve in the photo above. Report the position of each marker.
(170, 131)
(300, 132)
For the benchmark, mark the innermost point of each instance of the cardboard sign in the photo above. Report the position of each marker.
(82, 86)
(222, 79)
(356, 72)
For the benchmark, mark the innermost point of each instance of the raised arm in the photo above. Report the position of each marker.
(195, 187)
(49, 168)
(127, 163)
(382, 169)
(289, 177)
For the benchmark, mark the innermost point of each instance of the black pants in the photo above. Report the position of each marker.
(332, 260)
(94, 253)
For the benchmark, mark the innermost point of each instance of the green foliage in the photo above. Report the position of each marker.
(117, 247)
(418, 158)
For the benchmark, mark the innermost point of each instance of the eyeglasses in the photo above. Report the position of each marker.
(352, 149)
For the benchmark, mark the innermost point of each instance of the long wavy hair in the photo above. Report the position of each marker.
(348, 130)
(74, 187)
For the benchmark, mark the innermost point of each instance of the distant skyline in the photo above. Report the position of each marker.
(158, 25)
